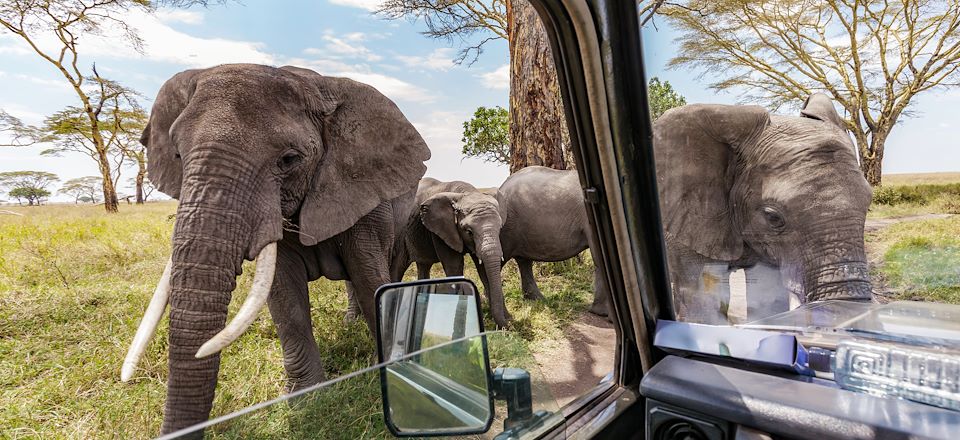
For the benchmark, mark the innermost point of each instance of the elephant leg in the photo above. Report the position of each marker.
(353, 307)
(365, 253)
(765, 292)
(451, 260)
(423, 271)
(601, 295)
(289, 304)
(527, 282)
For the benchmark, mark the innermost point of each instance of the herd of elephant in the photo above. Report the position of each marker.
(315, 176)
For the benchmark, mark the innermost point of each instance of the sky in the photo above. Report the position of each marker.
(343, 38)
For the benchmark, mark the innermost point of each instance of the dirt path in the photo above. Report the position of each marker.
(574, 365)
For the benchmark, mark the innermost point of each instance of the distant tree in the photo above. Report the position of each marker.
(82, 188)
(871, 56)
(487, 135)
(34, 196)
(65, 23)
(662, 97)
(27, 179)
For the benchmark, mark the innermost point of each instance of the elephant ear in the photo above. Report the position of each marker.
(818, 106)
(372, 155)
(163, 165)
(696, 150)
(440, 215)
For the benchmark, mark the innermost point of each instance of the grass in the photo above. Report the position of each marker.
(74, 283)
(921, 259)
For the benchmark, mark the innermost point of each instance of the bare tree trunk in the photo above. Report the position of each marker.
(538, 130)
(870, 151)
(139, 184)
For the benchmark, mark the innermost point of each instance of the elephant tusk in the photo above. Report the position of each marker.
(256, 299)
(148, 325)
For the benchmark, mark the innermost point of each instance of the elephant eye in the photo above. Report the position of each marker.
(289, 160)
(774, 218)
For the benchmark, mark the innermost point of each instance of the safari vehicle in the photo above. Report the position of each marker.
(832, 369)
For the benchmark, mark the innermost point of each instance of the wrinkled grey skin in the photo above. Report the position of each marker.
(781, 195)
(437, 230)
(454, 219)
(546, 220)
(245, 148)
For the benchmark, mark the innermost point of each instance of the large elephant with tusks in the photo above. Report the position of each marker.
(248, 149)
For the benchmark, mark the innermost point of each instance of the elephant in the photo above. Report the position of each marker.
(453, 219)
(545, 220)
(310, 175)
(431, 234)
(783, 195)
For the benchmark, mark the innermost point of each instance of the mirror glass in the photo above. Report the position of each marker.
(437, 379)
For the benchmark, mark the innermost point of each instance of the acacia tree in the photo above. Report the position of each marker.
(67, 21)
(538, 132)
(29, 185)
(487, 135)
(872, 56)
(82, 188)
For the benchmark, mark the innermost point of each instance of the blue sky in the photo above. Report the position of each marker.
(342, 38)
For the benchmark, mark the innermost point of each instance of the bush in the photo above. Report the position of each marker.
(914, 194)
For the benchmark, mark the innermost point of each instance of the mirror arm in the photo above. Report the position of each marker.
(513, 385)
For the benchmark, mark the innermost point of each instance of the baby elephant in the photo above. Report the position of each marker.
(449, 220)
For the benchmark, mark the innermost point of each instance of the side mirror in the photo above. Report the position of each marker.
(438, 381)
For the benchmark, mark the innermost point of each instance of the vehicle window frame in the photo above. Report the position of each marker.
(597, 50)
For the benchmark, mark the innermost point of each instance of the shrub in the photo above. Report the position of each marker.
(913, 194)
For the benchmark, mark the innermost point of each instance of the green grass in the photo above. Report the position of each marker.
(74, 283)
(921, 259)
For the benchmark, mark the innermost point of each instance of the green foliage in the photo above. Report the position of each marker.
(487, 135)
(921, 259)
(662, 97)
(33, 195)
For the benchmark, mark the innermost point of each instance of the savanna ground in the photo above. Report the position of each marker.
(74, 283)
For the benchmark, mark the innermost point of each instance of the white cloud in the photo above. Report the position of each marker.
(370, 5)
(440, 59)
(179, 16)
(393, 88)
(161, 43)
(345, 46)
(498, 79)
(55, 84)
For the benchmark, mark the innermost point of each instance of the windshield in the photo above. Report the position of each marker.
(804, 152)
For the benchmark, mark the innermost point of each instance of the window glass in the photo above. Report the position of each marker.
(199, 201)
(804, 153)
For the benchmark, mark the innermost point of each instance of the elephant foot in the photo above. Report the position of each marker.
(600, 309)
(532, 294)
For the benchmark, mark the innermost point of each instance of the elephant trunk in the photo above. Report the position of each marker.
(491, 257)
(206, 262)
(837, 269)
(211, 239)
